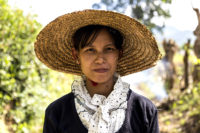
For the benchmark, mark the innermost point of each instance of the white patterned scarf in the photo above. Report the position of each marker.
(98, 113)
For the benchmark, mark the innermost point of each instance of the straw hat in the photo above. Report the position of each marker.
(54, 42)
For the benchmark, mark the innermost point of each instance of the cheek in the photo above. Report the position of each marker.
(114, 61)
(85, 62)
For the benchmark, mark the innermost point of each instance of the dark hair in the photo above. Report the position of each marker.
(86, 35)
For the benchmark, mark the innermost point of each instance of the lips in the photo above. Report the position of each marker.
(101, 70)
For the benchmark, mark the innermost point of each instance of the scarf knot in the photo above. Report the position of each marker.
(98, 113)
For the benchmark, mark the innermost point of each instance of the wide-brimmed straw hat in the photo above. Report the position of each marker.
(54, 43)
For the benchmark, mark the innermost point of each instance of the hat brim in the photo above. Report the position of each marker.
(54, 43)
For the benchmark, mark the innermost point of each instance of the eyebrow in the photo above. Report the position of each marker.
(112, 44)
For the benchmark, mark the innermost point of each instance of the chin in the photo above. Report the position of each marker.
(101, 79)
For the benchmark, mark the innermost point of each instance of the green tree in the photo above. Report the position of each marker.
(21, 76)
(26, 85)
(143, 10)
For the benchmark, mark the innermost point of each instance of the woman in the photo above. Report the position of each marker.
(100, 46)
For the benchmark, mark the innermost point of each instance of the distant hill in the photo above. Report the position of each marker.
(180, 37)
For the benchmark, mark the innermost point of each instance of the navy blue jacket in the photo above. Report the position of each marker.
(141, 116)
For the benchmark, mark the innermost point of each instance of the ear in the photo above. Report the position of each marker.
(74, 54)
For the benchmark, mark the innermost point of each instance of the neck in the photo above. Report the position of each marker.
(99, 88)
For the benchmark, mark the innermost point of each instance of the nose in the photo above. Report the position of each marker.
(100, 58)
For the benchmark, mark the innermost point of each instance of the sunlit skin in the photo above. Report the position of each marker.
(98, 63)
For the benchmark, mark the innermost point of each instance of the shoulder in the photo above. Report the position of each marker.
(141, 102)
(141, 108)
(60, 104)
(59, 114)
(141, 113)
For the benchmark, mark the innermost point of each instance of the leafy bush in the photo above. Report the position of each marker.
(25, 88)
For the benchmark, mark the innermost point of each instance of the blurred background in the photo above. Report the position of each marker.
(27, 87)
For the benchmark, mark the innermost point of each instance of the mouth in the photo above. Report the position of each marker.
(101, 70)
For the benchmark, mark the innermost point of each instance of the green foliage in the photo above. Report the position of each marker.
(25, 86)
(143, 10)
(184, 113)
(20, 74)
(188, 103)
(167, 1)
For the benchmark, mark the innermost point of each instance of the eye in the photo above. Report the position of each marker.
(110, 49)
(90, 50)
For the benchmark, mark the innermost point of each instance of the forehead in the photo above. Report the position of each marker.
(85, 36)
(105, 35)
(99, 37)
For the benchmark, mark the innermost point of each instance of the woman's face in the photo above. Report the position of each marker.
(99, 60)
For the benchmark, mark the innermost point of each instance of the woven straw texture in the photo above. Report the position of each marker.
(54, 42)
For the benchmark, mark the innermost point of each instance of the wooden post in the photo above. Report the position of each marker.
(196, 48)
(197, 34)
(186, 65)
(170, 48)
